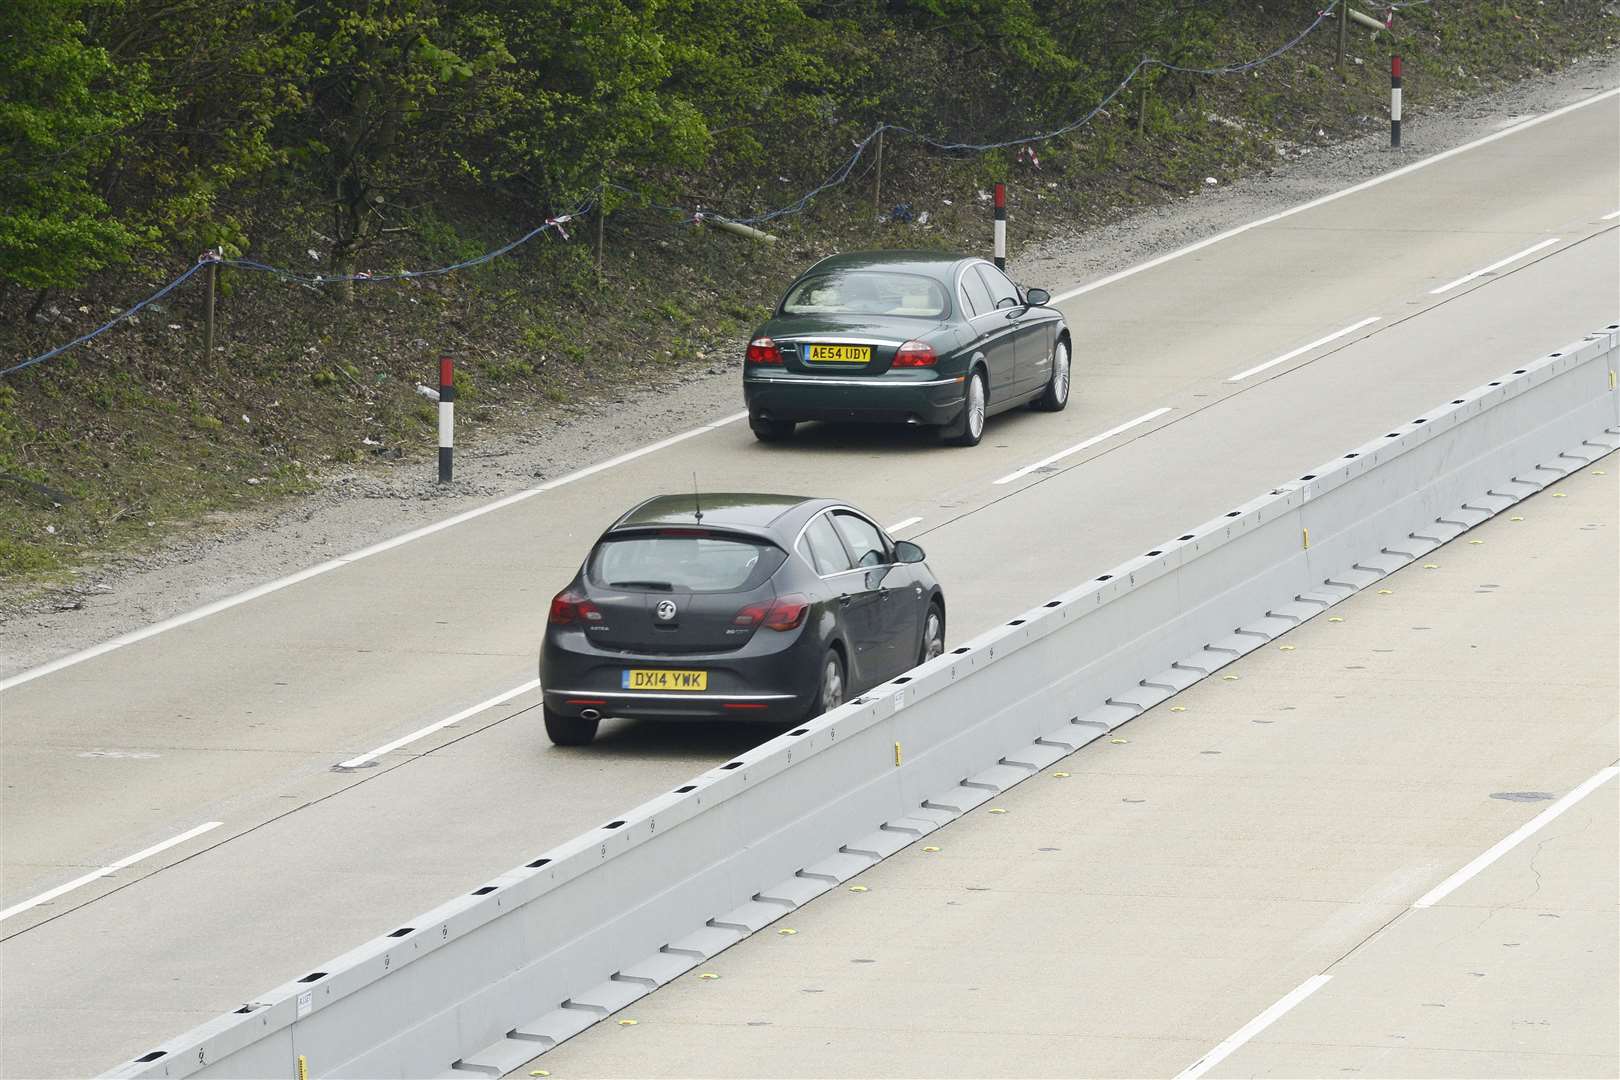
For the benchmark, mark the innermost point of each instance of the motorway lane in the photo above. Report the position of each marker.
(250, 707)
(1136, 903)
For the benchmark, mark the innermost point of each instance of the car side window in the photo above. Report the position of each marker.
(827, 553)
(977, 297)
(863, 538)
(1002, 291)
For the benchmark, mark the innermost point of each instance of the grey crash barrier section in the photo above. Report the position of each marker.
(487, 981)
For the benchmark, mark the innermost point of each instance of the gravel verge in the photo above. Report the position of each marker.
(352, 509)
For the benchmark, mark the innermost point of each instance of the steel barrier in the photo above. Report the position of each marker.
(485, 982)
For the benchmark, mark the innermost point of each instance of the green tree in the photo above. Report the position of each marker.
(63, 105)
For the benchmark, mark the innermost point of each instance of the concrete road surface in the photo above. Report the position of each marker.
(1138, 904)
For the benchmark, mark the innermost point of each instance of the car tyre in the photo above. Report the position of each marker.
(968, 429)
(1057, 387)
(830, 686)
(771, 430)
(569, 730)
(933, 634)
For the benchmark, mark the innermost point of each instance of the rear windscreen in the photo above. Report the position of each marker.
(683, 560)
(866, 292)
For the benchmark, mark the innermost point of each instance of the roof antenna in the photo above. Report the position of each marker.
(697, 505)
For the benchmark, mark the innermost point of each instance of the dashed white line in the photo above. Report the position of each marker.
(1253, 1028)
(108, 870)
(1497, 265)
(1077, 447)
(1513, 839)
(1332, 196)
(906, 524)
(344, 560)
(473, 710)
(1287, 356)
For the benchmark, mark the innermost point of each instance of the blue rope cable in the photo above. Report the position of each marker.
(838, 176)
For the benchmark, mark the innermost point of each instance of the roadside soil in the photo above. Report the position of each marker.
(351, 507)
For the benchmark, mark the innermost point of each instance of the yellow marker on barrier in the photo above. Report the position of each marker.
(1599, 472)
(1431, 566)
(997, 810)
(930, 847)
(1335, 618)
(1559, 495)
(1386, 592)
(857, 888)
(1306, 533)
(1476, 542)
(539, 1072)
(1229, 678)
(1119, 740)
(708, 976)
(787, 931)
(1611, 378)
(627, 1022)
(303, 1068)
(1061, 775)
(897, 755)
(1286, 648)
(1178, 708)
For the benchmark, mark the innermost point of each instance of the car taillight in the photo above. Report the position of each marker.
(763, 350)
(915, 354)
(569, 606)
(783, 613)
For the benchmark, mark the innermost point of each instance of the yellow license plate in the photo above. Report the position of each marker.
(840, 354)
(645, 679)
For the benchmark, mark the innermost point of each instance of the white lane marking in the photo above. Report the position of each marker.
(906, 524)
(1077, 447)
(1287, 356)
(108, 870)
(1610, 216)
(1497, 265)
(1253, 1028)
(1331, 197)
(1508, 843)
(344, 560)
(473, 710)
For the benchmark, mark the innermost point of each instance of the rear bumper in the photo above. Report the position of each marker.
(876, 399)
(767, 679)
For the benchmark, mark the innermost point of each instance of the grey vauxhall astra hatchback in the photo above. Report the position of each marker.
(734, 606)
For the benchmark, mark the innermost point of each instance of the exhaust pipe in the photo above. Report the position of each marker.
(590, 714)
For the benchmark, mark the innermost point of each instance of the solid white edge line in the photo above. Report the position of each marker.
(1077, 447)
(343, 560)
(111, 868)
(1497, 265)
(1509, 842)
(1287, 356)
(1253, 1027)
(1610, 216)
(1330, 197)
(405, 740)
(906, 524)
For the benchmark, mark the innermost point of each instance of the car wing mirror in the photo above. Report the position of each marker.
(1037, 297)
(907, 552)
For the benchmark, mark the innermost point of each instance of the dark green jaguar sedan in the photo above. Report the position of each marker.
(905, 337)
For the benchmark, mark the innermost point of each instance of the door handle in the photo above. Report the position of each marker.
(844, 600)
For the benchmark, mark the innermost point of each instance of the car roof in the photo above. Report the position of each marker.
(749, 511)
(931, 263)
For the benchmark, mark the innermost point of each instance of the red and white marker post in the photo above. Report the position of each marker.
(447, 417)
(1001, 226)
(1395, 101)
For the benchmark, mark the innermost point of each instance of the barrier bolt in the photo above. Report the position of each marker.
(447, 417)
